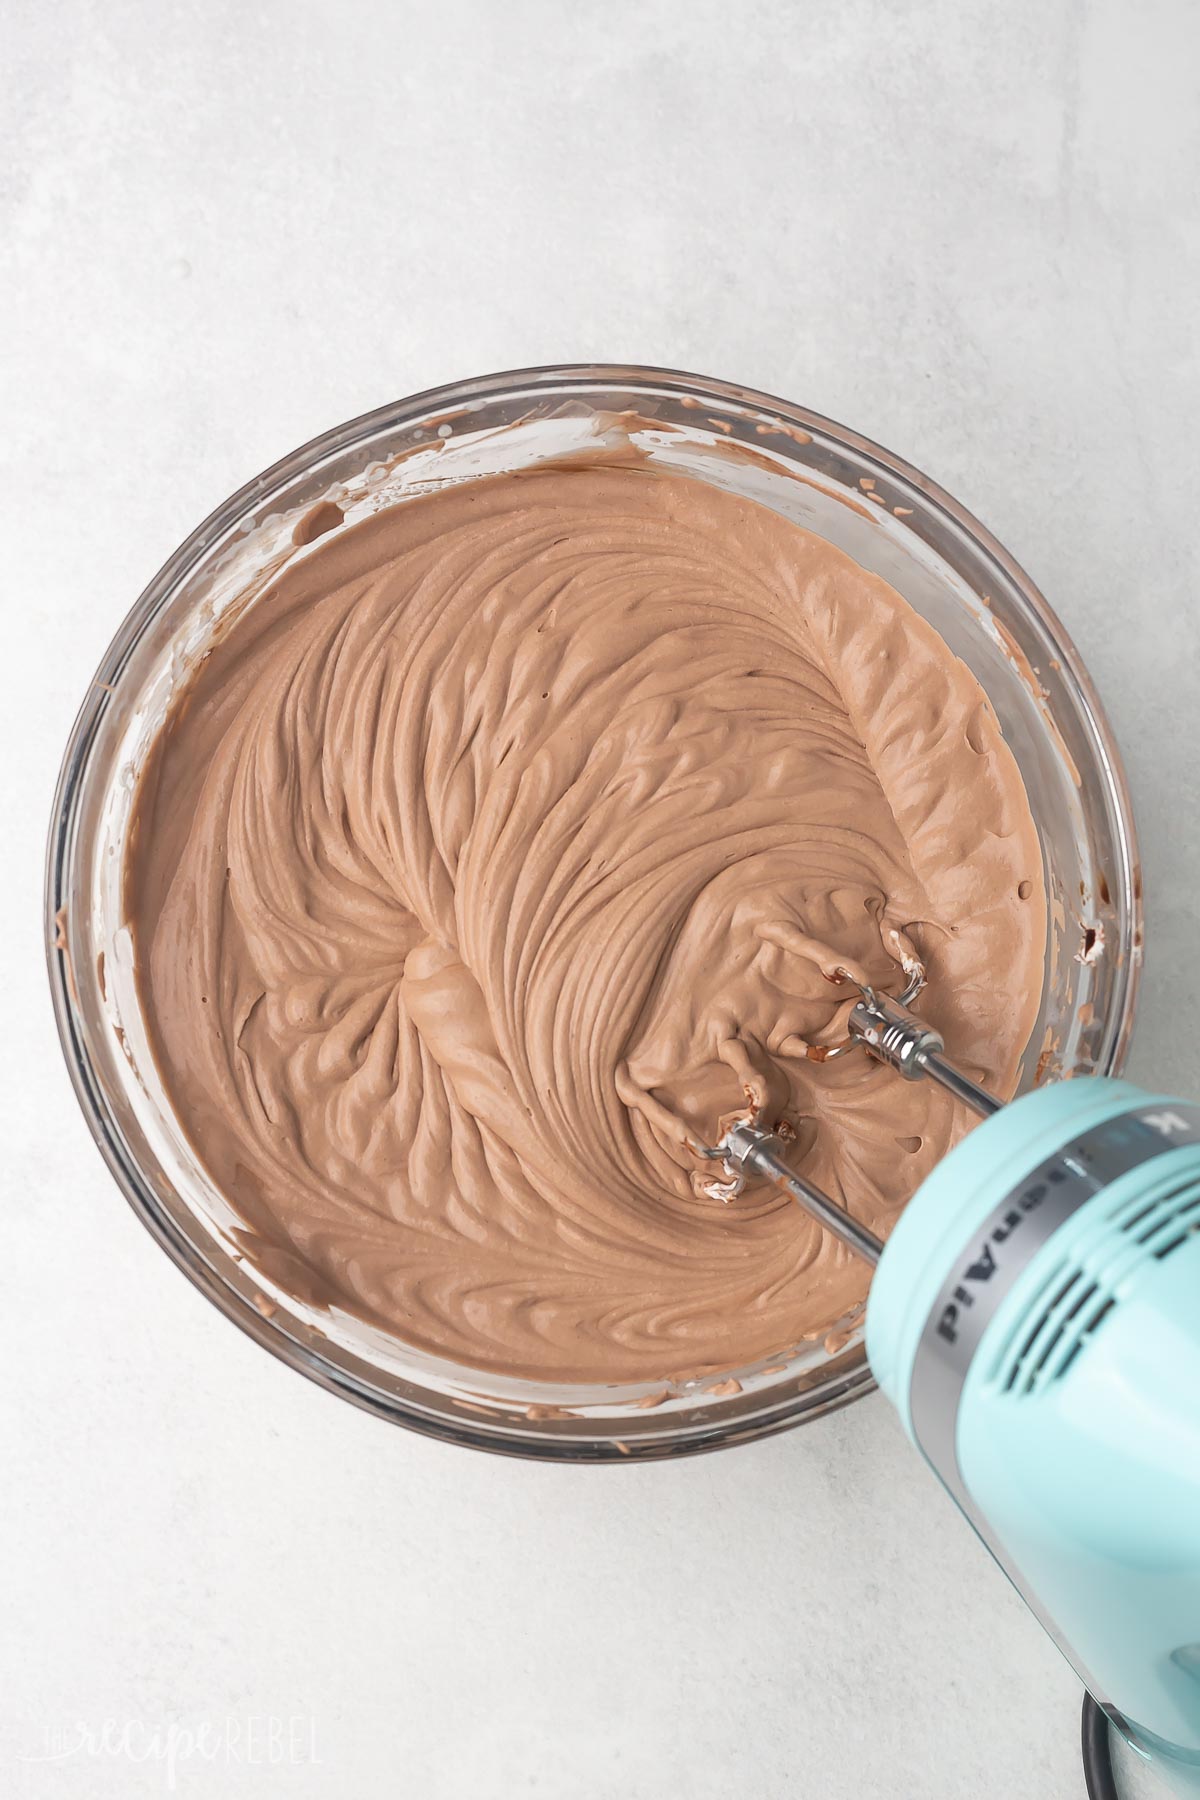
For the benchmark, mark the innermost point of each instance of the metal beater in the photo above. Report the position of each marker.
(887, 1030)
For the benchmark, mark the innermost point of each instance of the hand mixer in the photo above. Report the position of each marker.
(1035, 1320)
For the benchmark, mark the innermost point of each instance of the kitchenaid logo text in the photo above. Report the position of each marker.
(985, 1264)
(1165, 1123)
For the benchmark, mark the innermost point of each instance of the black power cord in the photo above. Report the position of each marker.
(1097, 1753)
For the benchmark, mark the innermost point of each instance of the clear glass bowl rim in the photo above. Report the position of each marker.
(772, 1414)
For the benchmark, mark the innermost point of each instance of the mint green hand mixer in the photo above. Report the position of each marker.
(1035, 1320)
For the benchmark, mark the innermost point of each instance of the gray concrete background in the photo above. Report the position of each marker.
(969, 230)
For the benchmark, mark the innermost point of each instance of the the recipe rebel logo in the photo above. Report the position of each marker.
(255, 1740)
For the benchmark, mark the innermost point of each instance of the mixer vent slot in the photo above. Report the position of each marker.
(1079, 1294)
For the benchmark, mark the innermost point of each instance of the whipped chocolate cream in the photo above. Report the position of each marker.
(509, 842)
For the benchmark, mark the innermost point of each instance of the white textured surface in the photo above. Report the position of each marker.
(970, 231)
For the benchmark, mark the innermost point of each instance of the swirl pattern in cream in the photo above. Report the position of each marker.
(508, 839)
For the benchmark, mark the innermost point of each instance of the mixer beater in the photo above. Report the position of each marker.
(887, 1030)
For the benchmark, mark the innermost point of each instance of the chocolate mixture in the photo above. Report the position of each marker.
(507, 843)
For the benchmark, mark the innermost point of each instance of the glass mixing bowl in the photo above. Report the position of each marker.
(892, 520)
